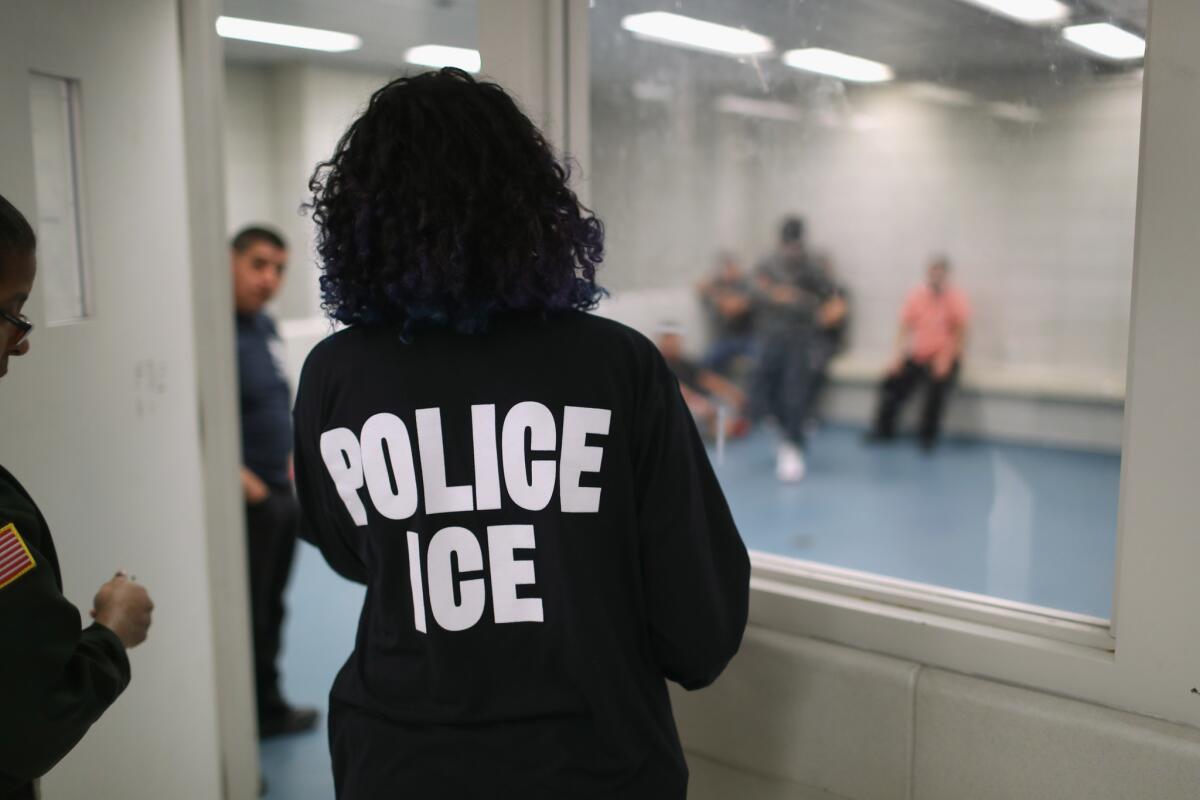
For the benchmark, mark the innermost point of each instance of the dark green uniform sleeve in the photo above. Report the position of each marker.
(57, 677)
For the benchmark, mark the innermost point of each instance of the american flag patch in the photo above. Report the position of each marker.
(15, 558)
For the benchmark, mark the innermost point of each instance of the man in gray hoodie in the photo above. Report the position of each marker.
(799, 308)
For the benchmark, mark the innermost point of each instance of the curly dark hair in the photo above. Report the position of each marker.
(443, 205)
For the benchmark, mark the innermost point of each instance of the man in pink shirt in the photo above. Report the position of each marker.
(933, 327)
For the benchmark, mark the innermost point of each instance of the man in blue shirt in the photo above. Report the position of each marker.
(259, 258)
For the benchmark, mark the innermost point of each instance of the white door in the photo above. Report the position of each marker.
(100, 421)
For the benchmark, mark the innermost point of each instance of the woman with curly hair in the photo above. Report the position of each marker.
(517, 482)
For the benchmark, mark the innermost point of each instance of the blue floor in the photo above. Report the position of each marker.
(1032, 524)
(319, 635)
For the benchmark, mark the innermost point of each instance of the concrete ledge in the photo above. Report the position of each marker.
(797, 718)
(988, 741)
(809, 713)
(1061, 407)
(1042, 383)
(644, 309)
(1076, 424)
(712, 780)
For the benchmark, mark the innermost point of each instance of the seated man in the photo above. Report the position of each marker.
(704, 391)
(933, 327)
(728, 298)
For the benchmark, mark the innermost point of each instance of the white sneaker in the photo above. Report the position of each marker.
(789, 463)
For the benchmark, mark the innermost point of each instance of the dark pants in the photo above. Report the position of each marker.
(271, 545)
(724, 350)
(896, 389)
(543, 757)
(789, 372)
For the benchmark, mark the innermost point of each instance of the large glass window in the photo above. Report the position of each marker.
(888, 246)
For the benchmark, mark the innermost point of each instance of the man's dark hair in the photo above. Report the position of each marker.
(444, 205)
(253, 234)
(16, 235)
(792, 230)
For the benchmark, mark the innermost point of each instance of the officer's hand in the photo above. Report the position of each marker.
(124, 608)
(253, 487)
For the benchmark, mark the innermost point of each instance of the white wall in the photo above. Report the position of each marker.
(251, 144)
(1038, 218)
(280, 122)
(797, 718)
(101, 421)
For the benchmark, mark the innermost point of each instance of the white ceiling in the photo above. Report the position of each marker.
(387, 27)
(944, 40)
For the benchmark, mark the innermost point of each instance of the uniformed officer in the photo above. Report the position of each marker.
(58, 677)
(259, 260)
(519, 484)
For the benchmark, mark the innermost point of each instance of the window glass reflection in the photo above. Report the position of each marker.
(887, 245)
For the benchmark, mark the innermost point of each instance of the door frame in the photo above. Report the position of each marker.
(1143, 663)
(212, 292)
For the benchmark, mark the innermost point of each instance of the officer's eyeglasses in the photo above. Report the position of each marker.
(20, 322)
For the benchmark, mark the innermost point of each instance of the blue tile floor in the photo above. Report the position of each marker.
(318, 637)
(1032, 524)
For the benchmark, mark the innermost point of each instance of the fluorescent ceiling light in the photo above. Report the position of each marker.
(754, 107)
(661, 26)
(1107, 40)
(936, 93)
(653, 92)
(1015, 112)
(1030, 12)
(253, 30)
(839, 65)
(439, 55)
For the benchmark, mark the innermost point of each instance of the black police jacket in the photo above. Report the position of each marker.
(544, 544)
(58, 677)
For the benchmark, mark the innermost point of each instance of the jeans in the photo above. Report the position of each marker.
(791, 367)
